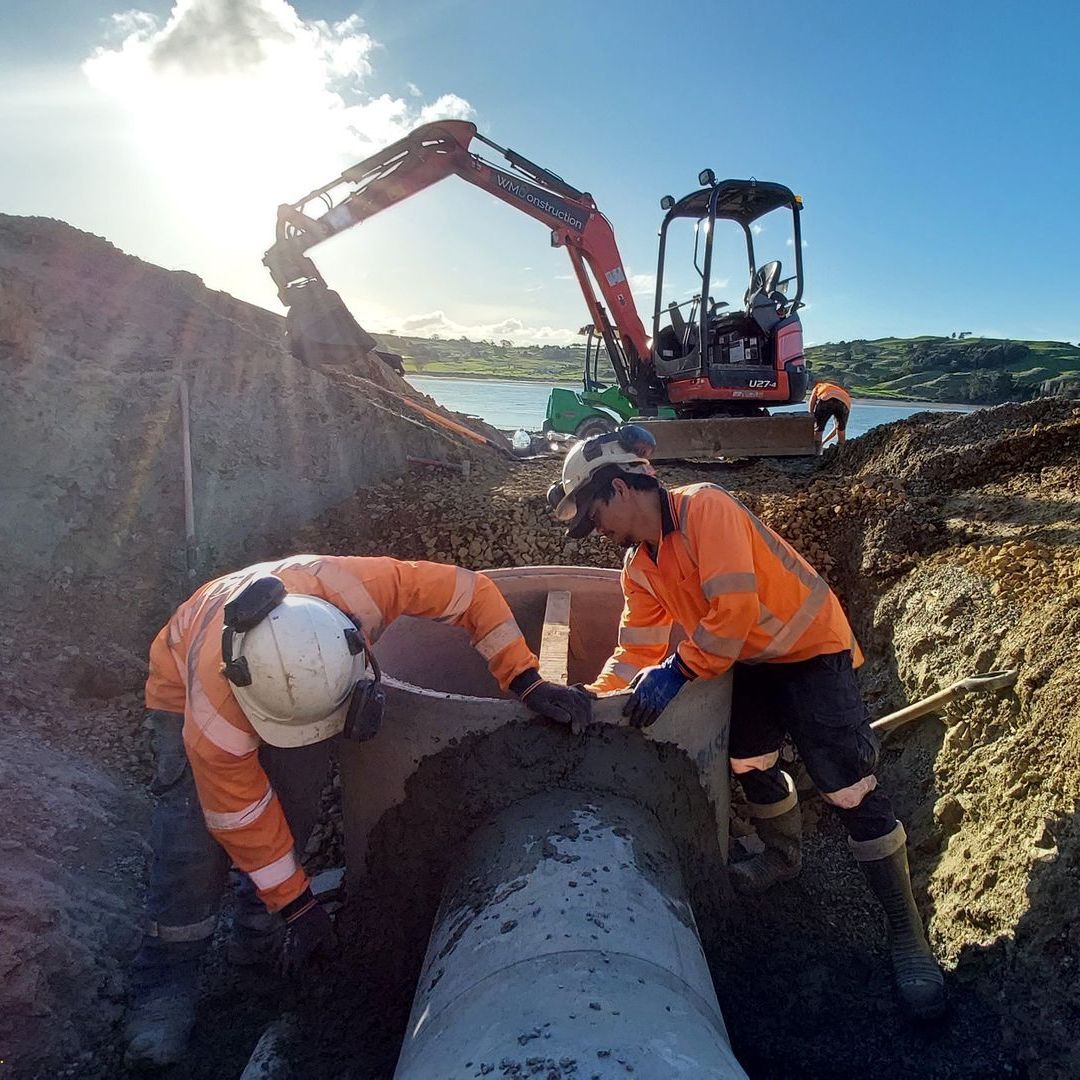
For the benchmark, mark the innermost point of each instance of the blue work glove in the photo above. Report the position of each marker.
(653, 690)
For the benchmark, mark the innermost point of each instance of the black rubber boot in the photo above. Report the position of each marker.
(919, 982)
(779, 827)
(166, 980)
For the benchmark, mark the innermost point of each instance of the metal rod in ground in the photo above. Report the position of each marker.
(565, 943)
(189, 487)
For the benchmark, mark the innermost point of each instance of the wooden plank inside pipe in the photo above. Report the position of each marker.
(555, 642)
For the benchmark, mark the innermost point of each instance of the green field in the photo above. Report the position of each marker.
(981, 371)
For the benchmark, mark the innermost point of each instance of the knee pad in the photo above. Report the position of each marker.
(764, 786)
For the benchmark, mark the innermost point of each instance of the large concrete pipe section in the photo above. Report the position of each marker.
(566, 865)
(565, 946)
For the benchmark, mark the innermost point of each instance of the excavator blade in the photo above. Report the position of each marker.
(785, 435)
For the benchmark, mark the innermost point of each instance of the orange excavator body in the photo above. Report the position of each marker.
(318, 320)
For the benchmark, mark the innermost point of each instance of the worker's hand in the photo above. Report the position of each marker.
(653, 689)
(308, 930)
(571, 705)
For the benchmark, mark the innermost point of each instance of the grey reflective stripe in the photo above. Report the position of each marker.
(727, 647)
(722, 584)
(768, 623)
(644, 635)
(273, 874)
(496, 640)
(354, 595)
(684, 508)
(238, 819)
(192, 932)
(639, 579)
(788, 559)
(464, 590)
(624, 671)
(797, 625)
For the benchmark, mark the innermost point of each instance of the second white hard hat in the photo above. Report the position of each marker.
(628, 447)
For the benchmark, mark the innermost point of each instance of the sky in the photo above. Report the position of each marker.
(936, 147)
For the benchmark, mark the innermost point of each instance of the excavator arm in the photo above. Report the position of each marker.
(425, 156)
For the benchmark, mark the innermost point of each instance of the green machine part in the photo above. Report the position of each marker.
(590, 412)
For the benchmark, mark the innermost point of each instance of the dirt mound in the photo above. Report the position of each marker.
(94, 348)
(72, 852)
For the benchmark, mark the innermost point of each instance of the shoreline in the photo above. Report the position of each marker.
(874, 399)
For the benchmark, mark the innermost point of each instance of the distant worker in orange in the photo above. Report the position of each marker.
(750, 605)
(829, 401)
(249, 680)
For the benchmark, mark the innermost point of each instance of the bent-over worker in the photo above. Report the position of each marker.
(260, 668)
(750, 604)
(829, 401)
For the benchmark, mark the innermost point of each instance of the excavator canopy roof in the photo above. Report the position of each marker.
(743, 201)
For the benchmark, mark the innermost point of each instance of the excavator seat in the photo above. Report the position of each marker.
(762, 299)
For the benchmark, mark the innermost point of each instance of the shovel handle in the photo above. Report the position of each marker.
(992, 680)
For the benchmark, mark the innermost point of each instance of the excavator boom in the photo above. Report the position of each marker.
(321, 328)
(427, 155)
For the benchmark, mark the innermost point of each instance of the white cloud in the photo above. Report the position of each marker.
(643, 284)
(757, 229)
(413, 89)
(791, 243)
(720, 283)
(247, 101)
(513, 329)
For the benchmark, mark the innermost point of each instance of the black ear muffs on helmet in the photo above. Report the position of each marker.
(243, 613)
(367, 703)
(631, 438)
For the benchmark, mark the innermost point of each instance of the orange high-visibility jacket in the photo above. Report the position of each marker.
(738, 590)
(241, 810)
(827, 391)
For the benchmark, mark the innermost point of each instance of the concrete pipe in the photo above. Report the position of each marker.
(565, 946)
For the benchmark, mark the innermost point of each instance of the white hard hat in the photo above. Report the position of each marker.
(304, 659)
(628, 448)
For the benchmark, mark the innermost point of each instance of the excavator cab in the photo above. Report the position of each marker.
(710, 357)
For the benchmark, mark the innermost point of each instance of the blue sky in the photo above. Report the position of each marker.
(937, 146)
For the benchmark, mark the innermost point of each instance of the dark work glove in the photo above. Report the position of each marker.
(308, 930)
(571, 705)
(654, 689)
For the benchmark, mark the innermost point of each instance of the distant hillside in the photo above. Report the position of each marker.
(982, 371)
(494, 360)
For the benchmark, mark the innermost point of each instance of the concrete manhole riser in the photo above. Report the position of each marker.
(440, 692)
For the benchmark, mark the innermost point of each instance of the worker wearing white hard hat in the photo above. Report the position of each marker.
(250, 681)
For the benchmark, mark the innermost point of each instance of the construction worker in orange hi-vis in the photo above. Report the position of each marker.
(250, 682)
(829, 401)
(752, 606)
